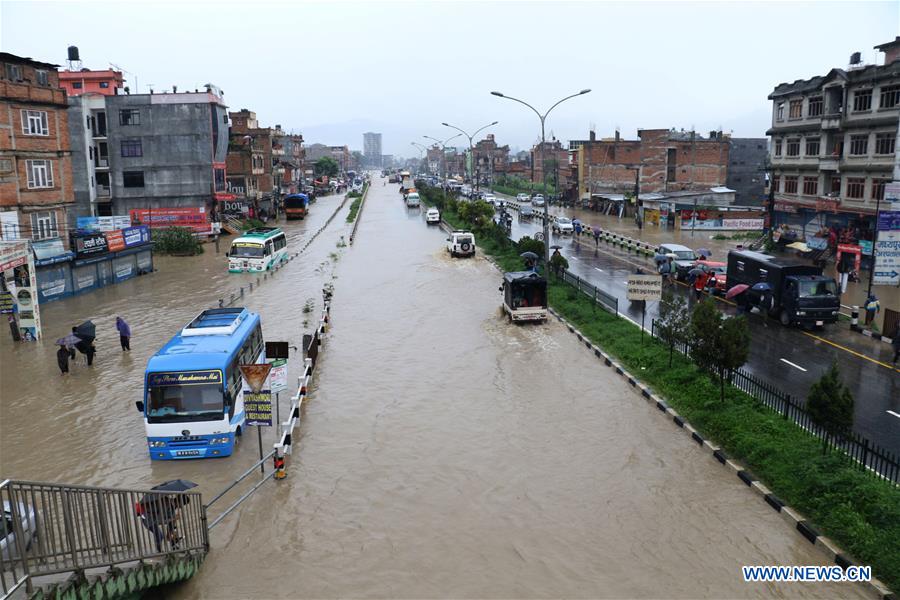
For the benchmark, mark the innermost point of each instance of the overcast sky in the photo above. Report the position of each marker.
(334, 70)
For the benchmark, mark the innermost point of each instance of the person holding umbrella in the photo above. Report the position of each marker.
(699, 278)
(737, 293)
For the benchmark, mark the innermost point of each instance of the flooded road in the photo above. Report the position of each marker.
(446, 453)
(84, 428)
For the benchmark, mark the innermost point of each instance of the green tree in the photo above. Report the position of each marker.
(719, 345)
(477, 214)
(179, 241)
(674, 321)
(830, 404)
(326, 166)
(528, 244)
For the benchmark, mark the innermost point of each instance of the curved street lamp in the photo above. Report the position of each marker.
(443, 146)
(474, 173)
(543, 118)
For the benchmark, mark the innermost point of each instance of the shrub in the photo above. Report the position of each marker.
(176, 240)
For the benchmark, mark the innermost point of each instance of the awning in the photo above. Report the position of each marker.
(48, 252)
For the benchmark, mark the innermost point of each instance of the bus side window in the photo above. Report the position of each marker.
(269, 248)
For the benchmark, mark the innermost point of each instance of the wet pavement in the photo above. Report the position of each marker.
(447, 453)
(791, 358)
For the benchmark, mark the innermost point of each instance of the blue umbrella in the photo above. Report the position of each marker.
(660, 258)
(704, 252)
(762, 286)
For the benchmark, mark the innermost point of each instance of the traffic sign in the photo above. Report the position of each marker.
(887, 258)
(278, 375)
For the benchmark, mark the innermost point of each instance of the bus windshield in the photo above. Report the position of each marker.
(203, 402)
(247, 250)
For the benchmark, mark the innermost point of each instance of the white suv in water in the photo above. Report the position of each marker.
(461, 243)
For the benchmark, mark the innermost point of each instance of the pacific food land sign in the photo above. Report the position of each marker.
(644, 287)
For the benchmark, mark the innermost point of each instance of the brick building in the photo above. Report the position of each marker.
(252, 166)
(834, 145)
(555, 159)
(490, 159)
(36, 194)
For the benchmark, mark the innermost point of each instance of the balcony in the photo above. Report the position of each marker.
(831, 122)
(829, 163)
(103, 191)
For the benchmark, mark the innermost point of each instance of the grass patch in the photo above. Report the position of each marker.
(354, 208)
(855, 510)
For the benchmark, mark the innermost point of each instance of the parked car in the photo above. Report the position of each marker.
(432, 216)
(683, 258)
(461, 243)
(563, 226)
(719, 271)
(27, 520)
(522, 198)
(538, 200)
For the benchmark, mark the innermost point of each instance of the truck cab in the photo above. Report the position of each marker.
(800, 293)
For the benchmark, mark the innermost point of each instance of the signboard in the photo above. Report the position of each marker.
(170, 378)
(827, 204)
(255, 375)
(277, 350)
(135, 236)
(892, 194)
(233, 206)
(742, 224)
(193, 217)
(115, 241)
(258, 408)
(644, 287)
(889, 220)
(103, 223)
(88, 244)
(786, 207)
(278, 375)
(887, 258)
(7, 305)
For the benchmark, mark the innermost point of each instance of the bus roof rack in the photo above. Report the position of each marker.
(262, 231)
(216, 321)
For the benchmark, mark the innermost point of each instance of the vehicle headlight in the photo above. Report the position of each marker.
(834, 312)
(157, 444)
(219, 440)
(801, 313)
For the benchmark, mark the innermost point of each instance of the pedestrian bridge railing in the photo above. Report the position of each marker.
(54, 529)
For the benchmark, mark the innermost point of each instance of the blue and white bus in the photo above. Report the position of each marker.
(193, 402)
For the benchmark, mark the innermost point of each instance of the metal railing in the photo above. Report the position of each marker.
(604, 299)
(871, 457)
(57, 528)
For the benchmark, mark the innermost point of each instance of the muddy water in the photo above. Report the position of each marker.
(84, 428)
(446, 453)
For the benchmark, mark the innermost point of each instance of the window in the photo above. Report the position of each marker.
(40, 77)
(885, 143)
(13, 72)
(132, 147)
(34, 122)
(76, 85)
(790, 184)
(878, 188)
(835, 186)
(133, 179)
(890, 96)
(40, 173)
(796, 109)
(778, 147)
(6, 165)
(855, 187)
(219, 180)
(862, 100)
(793, 147)
(859, 144)
(43, 226)
(779, 111)
(810, 186)
(130, 117)
(812, 146)
(815, 106)
(104, 84)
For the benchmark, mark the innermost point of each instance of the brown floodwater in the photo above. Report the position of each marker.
(447, 453)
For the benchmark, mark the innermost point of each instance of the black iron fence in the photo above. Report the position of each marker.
(604, 299)
(872, 458)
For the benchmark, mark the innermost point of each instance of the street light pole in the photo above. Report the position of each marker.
(474, 173)
(543, 118)
(420, 148)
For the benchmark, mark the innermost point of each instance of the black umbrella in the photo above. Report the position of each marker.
(175, 485)
(87, 331)
(556, 247)
(529, 256)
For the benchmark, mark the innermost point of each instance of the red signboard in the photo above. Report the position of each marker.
(193, 217)
(826, 204)
(115, 241)
(785, 207)
(12, 264)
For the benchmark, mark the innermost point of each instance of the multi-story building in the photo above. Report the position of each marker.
(490, 159)
(86, 81)
(372, 149)
(156, 157)
(254, 168)
(834, 144)
(291, 161)
(747, 168)
(36, 195)
(555, 159)
(340, 155)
